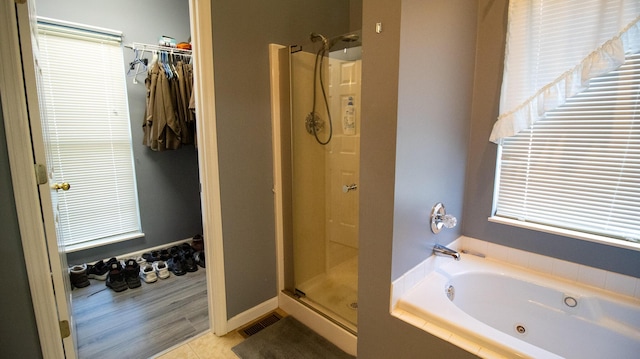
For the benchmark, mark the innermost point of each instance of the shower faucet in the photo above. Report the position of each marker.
(440, 218)
(441, 250)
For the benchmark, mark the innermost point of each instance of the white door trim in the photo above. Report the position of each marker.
(25, 188)
(207, 137)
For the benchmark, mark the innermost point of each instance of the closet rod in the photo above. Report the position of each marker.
(149, 47)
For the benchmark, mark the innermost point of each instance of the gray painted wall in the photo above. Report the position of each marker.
(168, 184)
(437, 51)
(18, 331)
(411, 44)
(482, 159)
(242, 31)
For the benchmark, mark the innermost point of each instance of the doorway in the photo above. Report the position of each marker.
(26, 195)
(168, 213)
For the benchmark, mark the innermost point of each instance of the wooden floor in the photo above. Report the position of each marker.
(140, 322)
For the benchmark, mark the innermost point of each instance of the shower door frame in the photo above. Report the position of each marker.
(281, 125)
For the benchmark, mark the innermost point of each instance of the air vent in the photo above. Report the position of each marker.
(262, 323)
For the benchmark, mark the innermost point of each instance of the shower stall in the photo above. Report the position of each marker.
(320, 152)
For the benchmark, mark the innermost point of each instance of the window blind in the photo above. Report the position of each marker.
(87, 122)
(578, 167)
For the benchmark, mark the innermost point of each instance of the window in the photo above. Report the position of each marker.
(571, 164)
(88, 133)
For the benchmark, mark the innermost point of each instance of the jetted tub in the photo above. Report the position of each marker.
(518, 313)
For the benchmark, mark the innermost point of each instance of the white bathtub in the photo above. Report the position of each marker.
(517, 313)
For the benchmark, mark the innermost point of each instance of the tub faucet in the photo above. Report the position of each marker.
(441, 250)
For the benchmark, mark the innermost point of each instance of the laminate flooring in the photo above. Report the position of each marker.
(141, 322)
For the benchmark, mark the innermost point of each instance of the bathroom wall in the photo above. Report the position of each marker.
(168, 184)
(437, 49)
(18, 331)
(421, 39)
(241, 34)
(482, 160)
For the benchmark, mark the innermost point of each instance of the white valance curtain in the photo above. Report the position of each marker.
(554, 47)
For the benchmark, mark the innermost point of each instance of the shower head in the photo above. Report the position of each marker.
(315, 37)
(353, 37)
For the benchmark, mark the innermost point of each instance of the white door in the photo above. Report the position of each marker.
(343, 161)
(48, 191)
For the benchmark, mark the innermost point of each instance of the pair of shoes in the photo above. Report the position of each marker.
(197, 243)
(199, 258)
(98, 271)
(78, 276)
(148, 273)
(132, 273)
(161, 269)
(116, 279)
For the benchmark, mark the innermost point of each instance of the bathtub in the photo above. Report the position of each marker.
(508, 311)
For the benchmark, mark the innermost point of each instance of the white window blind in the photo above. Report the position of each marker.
(578, 167)
(87, 122)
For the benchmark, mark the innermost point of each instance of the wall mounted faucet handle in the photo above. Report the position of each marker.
(449, 221)
(440, 218)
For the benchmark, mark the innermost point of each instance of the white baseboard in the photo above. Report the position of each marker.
(319, 324)
(139, 253)
(252, 314)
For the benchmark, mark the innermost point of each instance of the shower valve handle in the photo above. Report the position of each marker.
(349, 187)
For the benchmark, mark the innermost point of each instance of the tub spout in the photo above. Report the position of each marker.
(440, 250)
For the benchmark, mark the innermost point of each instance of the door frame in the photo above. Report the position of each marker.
(26, 196)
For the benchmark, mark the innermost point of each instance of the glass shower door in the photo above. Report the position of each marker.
(325, 181)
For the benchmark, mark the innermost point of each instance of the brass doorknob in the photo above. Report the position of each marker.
(63, 186)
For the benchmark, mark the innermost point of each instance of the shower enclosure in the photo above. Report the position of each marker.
(324, 153)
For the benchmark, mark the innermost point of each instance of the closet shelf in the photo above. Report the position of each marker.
(149, 47)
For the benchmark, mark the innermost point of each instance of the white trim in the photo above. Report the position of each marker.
(252, 313)
(25, 188)
(204, 87)
(276, 138)
(567, 233)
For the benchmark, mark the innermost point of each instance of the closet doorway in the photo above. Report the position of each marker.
(162, 170)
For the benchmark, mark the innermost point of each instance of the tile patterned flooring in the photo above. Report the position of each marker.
(206, 346)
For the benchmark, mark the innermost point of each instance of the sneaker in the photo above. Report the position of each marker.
(99, 270)
(190, 264)
(176, 266)
(162, 270)
(132, 273)
(148, 273)
(141, 261)
(78, 276)
(199, 258)
(115, 279)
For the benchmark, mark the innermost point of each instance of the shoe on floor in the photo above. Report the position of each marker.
(176, 266)
(115, 279)
(199, 258)
(99, 270)
(162, 270)
(197, 243)
(132, 273)
(148, 273)
(190, 264)
(78, 276)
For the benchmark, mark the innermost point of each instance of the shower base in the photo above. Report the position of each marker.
(335, 293)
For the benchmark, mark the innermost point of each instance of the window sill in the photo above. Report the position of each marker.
(102, 242)
(567, 233)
